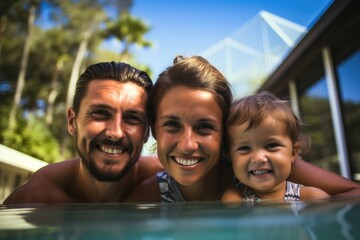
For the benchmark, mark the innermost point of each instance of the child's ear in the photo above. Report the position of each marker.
(295, 151)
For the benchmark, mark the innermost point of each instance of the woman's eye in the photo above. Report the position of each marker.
(172, 125)
(205, 128)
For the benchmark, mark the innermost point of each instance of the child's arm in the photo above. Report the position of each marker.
(310, 175)
(309, 193)
(231, 195)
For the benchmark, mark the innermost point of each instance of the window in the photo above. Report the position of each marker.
(315, 113)
(349, 85)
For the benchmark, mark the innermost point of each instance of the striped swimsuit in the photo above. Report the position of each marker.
(292, 192)
(170, 192)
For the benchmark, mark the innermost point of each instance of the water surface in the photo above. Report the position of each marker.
(326, 219)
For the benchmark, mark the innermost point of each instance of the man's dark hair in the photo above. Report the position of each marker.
(118, 71)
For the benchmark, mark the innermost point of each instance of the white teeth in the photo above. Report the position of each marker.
(111, 150)
(187, 161)
(260, 172)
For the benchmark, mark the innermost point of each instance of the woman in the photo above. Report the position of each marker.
(188, 109)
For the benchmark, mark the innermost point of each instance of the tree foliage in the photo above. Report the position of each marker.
(129, 30)
(318, 124)
(66, 37)
(33, 138)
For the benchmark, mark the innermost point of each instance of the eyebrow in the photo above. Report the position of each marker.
(107, 106)
(207, 120)
(100, 105)
(136, 112)
(173, 117)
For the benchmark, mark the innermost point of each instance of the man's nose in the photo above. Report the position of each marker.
(114, 130)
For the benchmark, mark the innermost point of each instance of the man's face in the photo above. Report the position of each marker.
(110, 128)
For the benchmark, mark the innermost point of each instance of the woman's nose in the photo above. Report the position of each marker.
(188, 142)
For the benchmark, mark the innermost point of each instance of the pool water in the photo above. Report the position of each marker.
(330, 219)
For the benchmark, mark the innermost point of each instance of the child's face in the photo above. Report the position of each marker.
(262, 156)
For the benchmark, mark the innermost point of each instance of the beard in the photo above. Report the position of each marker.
(90, 163)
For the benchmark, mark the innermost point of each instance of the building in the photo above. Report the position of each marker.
(248, 55)
(317, 69)
(15, 168)
(321, 77)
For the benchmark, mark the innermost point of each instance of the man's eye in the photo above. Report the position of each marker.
(100, 114)
(133, 119)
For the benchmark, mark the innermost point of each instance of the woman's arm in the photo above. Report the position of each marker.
(310, 175)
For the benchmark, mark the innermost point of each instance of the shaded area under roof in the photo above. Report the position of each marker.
(338, 28)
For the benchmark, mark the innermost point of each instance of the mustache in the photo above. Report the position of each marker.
(118, 143)
(106, 141)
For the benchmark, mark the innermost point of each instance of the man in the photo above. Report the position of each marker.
(109, 125)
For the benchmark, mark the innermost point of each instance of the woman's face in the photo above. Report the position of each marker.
(188, 131)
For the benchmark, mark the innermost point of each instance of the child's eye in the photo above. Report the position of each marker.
(272, 146)
(243, 149)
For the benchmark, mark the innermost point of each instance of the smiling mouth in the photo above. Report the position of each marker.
(111, 150)
(260, 172)
(187, 161)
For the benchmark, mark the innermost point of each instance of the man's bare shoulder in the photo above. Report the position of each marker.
(49, 184)
(146, 191)
(148, 166)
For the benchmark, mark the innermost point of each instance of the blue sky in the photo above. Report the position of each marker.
(189, 27)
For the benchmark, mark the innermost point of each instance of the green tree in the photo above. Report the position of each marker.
(56, 53)
(33, 138)
(129, 30)
(317, 118)
(32, 6)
